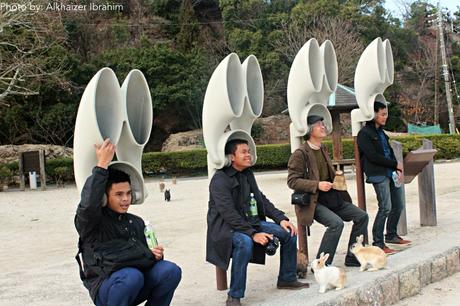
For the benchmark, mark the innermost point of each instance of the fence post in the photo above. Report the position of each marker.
(402, 225)
(426, 190)
(41, 157)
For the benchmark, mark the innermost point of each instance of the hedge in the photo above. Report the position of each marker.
(268, 157)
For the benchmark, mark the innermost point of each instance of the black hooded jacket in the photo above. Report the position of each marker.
(96, 224)
(373, 158)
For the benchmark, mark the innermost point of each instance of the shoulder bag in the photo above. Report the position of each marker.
(302, 198)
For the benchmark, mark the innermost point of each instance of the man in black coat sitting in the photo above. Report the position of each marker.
(238, 229)
(105, 226)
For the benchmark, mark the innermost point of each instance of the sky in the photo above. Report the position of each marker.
(395, 6)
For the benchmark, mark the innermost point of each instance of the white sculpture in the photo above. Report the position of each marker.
(312, 79)
(374, 73)
(122, 114)
(233, 100)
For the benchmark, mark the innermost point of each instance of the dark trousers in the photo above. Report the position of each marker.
(129, 286)
(391, 205)
(333, 220)
(242, 253)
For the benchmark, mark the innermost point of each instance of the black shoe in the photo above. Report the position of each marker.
(351, 261)
(295, 285)
(397, 240)
(231, 301)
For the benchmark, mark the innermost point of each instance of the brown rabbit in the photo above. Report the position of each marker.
(372, 255)
(162, 187)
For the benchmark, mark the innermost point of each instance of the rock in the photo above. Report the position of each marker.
(425, 273)
(10, 153)
(370, 294)
(409, 283)
(271, 130)
(268, 130)
(184, 141)
(390, 288)
(453, 264)
(438, 269)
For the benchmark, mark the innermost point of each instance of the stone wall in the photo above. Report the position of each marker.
(10, 153)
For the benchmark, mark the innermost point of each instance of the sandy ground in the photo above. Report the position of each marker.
(39, 241)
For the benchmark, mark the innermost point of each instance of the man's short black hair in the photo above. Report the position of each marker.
(378, 106)
(231, 146)
(116, 176)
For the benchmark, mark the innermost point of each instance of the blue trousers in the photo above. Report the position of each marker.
(242, 253)
(129, 286)
(391, 204)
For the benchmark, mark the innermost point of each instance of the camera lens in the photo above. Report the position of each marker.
(272, 245)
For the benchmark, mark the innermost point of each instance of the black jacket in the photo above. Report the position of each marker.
(226, 215)
(96, 224)
(373, 159)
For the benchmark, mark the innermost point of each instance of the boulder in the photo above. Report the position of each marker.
(10, 153)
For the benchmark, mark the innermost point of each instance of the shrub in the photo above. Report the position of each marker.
(5, 174)
(60, 169)
(268, 157)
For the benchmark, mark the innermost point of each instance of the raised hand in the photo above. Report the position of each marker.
(104, 153)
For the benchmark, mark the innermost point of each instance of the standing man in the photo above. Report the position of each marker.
(379, 162)
(310, 170)
(110, 227)
(235, 231)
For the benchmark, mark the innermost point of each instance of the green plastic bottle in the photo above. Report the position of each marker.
(253, 206)
(150, 237)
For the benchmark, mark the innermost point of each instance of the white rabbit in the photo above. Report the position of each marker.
(372, 255)
(328, 276)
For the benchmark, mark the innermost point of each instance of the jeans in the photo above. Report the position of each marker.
(242, 253)
(130, 286)
(391, 204)
(333, 220)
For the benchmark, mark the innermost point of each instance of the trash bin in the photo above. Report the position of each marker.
(33, 180)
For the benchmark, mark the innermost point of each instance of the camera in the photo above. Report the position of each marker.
(272, 245)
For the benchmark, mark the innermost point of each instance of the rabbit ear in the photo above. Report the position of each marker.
(326, 257)
(360, 239)
(321, 255)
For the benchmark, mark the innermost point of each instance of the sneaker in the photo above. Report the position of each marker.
(231, 301)
(295, 285)
(388, 251)
(351, 261)
(397, 240)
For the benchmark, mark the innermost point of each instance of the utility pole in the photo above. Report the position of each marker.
(436, 80)
(445, 70)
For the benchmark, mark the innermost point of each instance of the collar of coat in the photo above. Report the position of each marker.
(230, 171)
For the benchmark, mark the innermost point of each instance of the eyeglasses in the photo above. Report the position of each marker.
(320, 123)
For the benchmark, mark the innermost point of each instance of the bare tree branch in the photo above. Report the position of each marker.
(347, 44)
(25, 38)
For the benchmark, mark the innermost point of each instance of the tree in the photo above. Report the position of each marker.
(26, 38)
(341, 33)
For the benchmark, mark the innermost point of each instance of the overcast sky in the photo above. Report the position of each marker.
(395, 6)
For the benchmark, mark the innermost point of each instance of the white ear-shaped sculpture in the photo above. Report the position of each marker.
(234, 97)
(99, 117)
(123, 115)
(253, 85)
(374, 73)
(312, 79)
(223, 101)
(138, 113)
